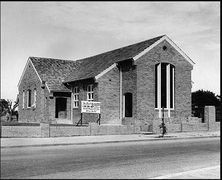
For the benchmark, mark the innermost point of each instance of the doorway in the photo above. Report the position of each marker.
(128, 105)
(60, 111)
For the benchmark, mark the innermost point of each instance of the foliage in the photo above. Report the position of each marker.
(3, 107)
(7, 109)
(203, 98)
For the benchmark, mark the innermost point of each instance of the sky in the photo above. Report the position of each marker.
(73, 29)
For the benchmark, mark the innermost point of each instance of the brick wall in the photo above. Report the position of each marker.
(210, 118)
(45, 131)
(89, 117)
(108, 95)
(20, 131)
(30, 81)
(129, 86)
(146, 83)
(64, 131)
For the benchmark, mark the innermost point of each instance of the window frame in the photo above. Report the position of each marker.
(171, 97)
(76, 97)
(34, 98)
(23, 99)
(29, 98)
(90, 92)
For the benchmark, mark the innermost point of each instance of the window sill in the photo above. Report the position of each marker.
(165, 109)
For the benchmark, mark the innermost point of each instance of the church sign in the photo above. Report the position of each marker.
(90, 107)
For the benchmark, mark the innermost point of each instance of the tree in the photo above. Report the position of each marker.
(202, 98)
(7, 109)
(3, 107)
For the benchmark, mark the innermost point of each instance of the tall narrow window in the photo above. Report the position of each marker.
(29, 98)
(23, 99)
(164, 85)
(156, 77)
(90, 92)
(76, 97)
(34, 97)
(171, 86)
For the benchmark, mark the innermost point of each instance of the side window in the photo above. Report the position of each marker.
(29, 98)
(76, 97)
(90, 92)
(164, 85)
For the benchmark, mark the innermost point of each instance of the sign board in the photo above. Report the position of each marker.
(90, 107)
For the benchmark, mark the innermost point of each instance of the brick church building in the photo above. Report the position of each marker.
(132, 84)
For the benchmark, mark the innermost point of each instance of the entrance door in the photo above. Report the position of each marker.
(128, 105)
(61, 108)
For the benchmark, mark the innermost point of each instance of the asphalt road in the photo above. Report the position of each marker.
(115, 160)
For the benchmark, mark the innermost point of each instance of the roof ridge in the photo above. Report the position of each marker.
(82, 59)
(38, 58)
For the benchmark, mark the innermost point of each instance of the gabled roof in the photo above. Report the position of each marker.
(54, 71)
(92, 66)
(57, 72)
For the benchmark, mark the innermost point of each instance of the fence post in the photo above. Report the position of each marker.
(210, 117)
(45, 129)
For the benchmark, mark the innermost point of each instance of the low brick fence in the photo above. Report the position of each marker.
(20, 131)
(183, 127)
(59, 130)
(191, 123)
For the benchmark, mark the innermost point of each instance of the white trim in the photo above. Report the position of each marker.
(47, 87)
(28, 61)
(168, 88)
(173, 87)
(35, 71)
(71, 115)
(23, 72)
(172, 109)
(91, 92)
(120, 94)
(105, 71)
(34, 98)
(75, 93)
(23, 99)
(123, 113)
(159, 89)
(171, 43)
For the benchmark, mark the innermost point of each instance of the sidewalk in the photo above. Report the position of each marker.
(203, 173)
(81, 140)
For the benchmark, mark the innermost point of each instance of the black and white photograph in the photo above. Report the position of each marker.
(110, 90)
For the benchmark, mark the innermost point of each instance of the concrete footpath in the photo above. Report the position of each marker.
(203, 173)
(81, 140)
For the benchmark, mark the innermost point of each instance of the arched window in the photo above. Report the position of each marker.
(164, 85)
(128, 105)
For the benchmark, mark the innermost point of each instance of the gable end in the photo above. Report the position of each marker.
(171, 43)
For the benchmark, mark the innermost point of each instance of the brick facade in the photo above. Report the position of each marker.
(146, 112)
(30, 81)
(129, 76)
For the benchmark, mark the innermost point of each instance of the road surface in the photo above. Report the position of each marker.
(114, 160)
